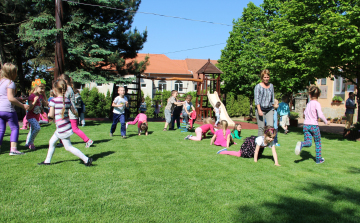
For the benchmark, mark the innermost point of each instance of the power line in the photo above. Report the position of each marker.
(194, 48)
(149, 13)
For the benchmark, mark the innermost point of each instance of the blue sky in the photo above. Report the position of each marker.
(167, 35)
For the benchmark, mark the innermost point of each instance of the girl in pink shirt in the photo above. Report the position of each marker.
(202, 130)
(141, 120)
(222, 137)
(311, 126)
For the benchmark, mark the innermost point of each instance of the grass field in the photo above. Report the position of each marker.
(163, 178)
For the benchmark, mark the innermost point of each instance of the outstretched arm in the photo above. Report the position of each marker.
(256, 153)
(212, 140)
(275, 156)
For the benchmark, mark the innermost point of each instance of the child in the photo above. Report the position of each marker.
(59, 109)
(119, 104)
(186, 109)
(170, 108)
(176, 116)
(36, 99)
(157, 109)
(25, 122)
(141, 120)
(235, 134)
(284, 113)
(202, 130)
(143, 106)
(217, 111)
(311, 126)
(222, 137)
(7, 109)
(276, 105)
(79, 104)
(254, 146)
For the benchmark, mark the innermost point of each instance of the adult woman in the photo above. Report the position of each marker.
(264, 102)
(7, 110)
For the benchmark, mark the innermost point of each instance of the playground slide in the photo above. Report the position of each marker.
(213, 99)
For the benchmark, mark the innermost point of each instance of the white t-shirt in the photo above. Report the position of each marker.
(217, 110)
(118, 100)
(260, 142)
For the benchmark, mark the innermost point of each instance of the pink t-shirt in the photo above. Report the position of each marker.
(142, 117)
(220, 138)
(313, 112)
(205, 128)
(35, 112)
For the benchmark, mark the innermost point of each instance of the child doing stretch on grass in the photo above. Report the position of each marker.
(36, 99)
(141, 120)
(311, 126)
(236, 132)
(254, 146)
(59, 109)
(217, 111)
(202, 130)
(7, 110)
(222, 137)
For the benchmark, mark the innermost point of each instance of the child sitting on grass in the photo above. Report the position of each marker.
(222, 137)
(141, 120)
(254, 146)
(202, 130)
(235, 134)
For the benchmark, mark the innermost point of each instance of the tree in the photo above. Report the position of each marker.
(96, 39)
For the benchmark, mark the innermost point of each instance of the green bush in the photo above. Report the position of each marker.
(149, 108)
(294, 115)
(97, 105)
(337, 98)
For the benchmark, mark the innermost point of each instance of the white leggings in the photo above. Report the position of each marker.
(67, 144)
(34, 130)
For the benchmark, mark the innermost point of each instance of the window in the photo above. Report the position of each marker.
(195, 87)
(143, 85)
(99, 85)
(179, 86)
(323, 81)
(339, 87)
(162, 85)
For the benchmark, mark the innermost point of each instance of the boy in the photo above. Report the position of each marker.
(119, 104)
(186, 109)
(349, 112)
(170, 108)
(284, 112)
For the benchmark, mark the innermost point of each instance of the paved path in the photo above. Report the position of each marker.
(332, 128)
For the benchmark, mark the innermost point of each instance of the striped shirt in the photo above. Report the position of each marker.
(264, 97)
(63, 125)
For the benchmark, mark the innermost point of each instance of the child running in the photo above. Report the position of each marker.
(33, 115)
(254, 146)
(141, 120)
(119, 104)
(59, 109)
(236, 132)
(217, 111)
(222, 137)
(311, 125)
(202, 130)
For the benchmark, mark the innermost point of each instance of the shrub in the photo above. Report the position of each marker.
(294, 115)
(149, 108)
(97, 106)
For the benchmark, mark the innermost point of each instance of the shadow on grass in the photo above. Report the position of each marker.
(354, 170)
(305, 155)
(326, 135)
(101, 155)
(325, 203)
(96, 142)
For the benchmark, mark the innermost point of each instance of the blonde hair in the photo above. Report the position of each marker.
(263, 72)
(207, 120)
(36, 87)
(270, 131)
(224, 125)
(9, 71)
(68, 80)
(314, 91)
(61, 87)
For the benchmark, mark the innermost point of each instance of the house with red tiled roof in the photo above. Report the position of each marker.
(162, 66)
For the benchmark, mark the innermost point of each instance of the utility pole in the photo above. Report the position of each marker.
(59, 52)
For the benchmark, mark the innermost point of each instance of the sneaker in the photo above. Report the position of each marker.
(321, 161)
(277, 144)
(59, 145)
(111, 135)
(15, 153)
(124, 137)
(32, 146)
(43, 163)
(221, 150)
(286, 132)
(23, 128)
(89, 162)
(298, 148)
(89, 143)
(127, 125)
(187, 137)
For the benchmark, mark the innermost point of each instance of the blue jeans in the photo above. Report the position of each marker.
(119, 118)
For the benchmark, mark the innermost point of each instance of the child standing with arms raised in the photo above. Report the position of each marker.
(311, 125)
(59, 109)
(119, 104)
(170, 108)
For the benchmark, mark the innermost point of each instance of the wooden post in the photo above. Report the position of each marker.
(59, 53)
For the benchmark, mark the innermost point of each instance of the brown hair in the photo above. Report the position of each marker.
(224, 125)
(263, 72)
(207, 120)
(173, 91)
(314, 91)
(144, 126)
(218, 104)
(189, 96)
(68, 80)
(9, 71)
(60, 86)
(270, 131)
(284, 98)
(235, 127)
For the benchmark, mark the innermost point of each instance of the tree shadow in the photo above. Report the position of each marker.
(354, 170)
(305, 155)
(329, 207)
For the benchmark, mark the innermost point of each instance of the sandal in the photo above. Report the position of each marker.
(165, 129)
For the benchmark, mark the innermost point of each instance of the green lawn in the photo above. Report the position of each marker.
(163, 178)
